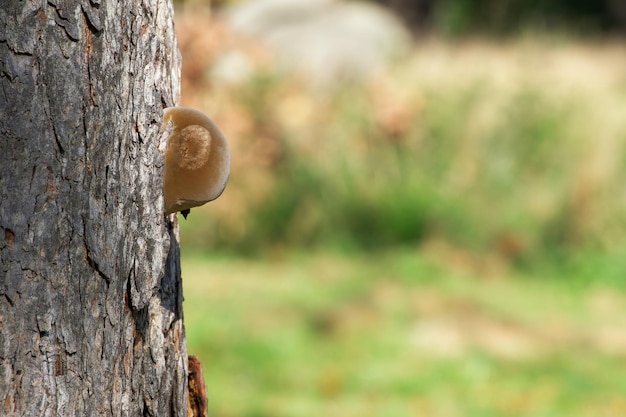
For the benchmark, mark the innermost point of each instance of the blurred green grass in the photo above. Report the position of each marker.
(400, 335)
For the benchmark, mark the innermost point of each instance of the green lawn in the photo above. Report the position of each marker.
(402, 333)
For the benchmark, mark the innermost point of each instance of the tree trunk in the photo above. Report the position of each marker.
(90, 291)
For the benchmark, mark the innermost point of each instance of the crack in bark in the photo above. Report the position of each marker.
(9, 300)
(106, 193)
(66, 21)
(94, 264)
(32, 178)
(128, 296)
(91, 261)
(92, 16)
(146, 409)
(89, 53)
(57, 140)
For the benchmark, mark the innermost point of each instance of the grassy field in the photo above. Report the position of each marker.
(401, 334)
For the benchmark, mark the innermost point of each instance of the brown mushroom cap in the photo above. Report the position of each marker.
(197, 160)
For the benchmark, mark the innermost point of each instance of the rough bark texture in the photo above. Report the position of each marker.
(90, 294)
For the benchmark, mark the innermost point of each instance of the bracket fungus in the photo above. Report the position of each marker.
(197, 160)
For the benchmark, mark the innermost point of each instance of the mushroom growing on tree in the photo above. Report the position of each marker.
(197, 160)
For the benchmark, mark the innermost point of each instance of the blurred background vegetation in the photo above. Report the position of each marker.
(495, 17)
(431, 222)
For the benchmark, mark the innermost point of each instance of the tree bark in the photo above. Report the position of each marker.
(90, 291)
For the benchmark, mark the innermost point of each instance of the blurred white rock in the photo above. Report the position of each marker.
(232, 67)
(325, 39)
